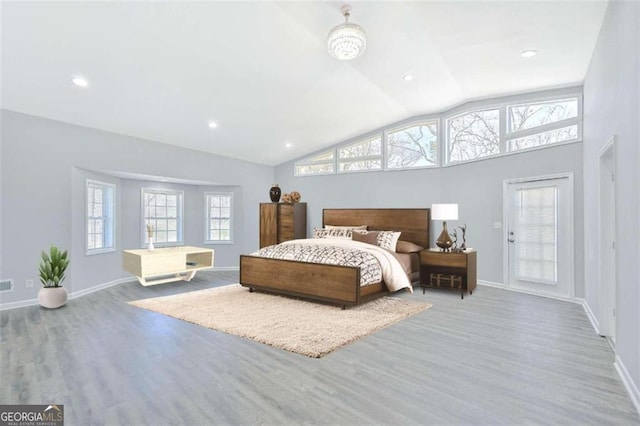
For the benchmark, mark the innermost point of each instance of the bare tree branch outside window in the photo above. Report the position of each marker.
(473, 135)
(529, 116)
(318, 165)
(358, 156)
(415, 146)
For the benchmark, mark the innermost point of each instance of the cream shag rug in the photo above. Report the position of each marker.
(306, 328)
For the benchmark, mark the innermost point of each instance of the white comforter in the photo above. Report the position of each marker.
(392, 271)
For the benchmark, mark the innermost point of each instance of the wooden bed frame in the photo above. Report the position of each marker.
(334, 284)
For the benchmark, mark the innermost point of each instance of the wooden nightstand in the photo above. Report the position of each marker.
(447, 270)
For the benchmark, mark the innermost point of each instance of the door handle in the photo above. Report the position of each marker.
(510, 240)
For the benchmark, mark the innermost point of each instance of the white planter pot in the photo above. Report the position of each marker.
(52, 297)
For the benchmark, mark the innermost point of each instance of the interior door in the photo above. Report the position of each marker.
(540, 236)
(607, 288)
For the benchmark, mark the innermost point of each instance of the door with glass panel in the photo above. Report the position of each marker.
(540, 236)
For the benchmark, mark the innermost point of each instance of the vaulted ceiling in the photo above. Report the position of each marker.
(261, 71)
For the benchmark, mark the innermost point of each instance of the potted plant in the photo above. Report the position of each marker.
(52, 268)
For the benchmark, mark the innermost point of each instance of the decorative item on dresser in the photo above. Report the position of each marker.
(282, 222)
(274, 193)
(444, 212)
(451, 271)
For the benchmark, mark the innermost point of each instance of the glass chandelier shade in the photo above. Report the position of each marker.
(346, 41)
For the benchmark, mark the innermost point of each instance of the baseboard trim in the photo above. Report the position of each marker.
(517, 290)
(84, 292)
(491, 284)
(98, 287)
(594, 321)
(628, 382)
(18, 304)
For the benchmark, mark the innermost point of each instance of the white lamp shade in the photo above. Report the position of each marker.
(444, 211)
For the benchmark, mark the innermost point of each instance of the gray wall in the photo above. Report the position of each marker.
(477, 187)
(44, 164)
(611, 107)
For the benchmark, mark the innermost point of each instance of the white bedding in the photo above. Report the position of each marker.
(393, 273)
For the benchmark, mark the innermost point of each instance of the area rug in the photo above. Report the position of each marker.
(307, 328)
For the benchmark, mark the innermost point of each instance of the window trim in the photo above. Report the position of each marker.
(308, 161)
(407, 125)
(500, 103)
(207, 218)
(370, 138)
(92, 252)
(179, 226)
(446, 143)
(567, 122)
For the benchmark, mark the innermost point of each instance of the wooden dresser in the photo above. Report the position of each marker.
(282, 222)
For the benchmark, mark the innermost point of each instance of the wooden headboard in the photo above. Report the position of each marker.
(413, 223)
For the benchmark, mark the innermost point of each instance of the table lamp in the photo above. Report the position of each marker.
(444, 212)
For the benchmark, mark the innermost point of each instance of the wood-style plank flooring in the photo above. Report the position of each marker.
(496, 357)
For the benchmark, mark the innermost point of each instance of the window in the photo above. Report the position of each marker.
(366, 155)
(162, 210)
(486, 129)
(473, 135)
(100, 217)
(545, 138)
(414, 146)
(321, 164)
(542, 123)
(218, 216)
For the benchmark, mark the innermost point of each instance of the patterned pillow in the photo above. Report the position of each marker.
(388, 239)
(332, 233)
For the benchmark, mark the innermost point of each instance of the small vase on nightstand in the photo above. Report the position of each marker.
(150, 247)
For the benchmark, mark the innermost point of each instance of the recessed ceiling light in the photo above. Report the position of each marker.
(407, 77)
(212, 125)
(80, 81)
(528, 53)
(288, 145)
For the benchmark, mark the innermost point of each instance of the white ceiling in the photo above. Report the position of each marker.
(162, 70)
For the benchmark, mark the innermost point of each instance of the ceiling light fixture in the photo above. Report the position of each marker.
(407, 77)
(80, 82)
(346, 41)
(528, 53)
(212, 125)
(288, 145)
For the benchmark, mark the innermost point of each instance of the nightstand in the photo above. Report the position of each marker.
(448, 270)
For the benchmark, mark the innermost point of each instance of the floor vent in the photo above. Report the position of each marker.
(6, 285)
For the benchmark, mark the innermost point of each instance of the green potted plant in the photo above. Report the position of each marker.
(52, 268)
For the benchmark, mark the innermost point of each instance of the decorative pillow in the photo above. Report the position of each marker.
(369, 237)
(331, 233)
(408, 247)
(388, 239)
(353, 228)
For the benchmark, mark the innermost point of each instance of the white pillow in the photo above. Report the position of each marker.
(351, 228)
(388, 239)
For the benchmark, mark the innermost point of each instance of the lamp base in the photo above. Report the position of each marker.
(444, 240)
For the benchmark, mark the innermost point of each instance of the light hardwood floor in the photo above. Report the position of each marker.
(495, 357)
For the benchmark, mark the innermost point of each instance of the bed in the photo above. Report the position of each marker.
(337, 284)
